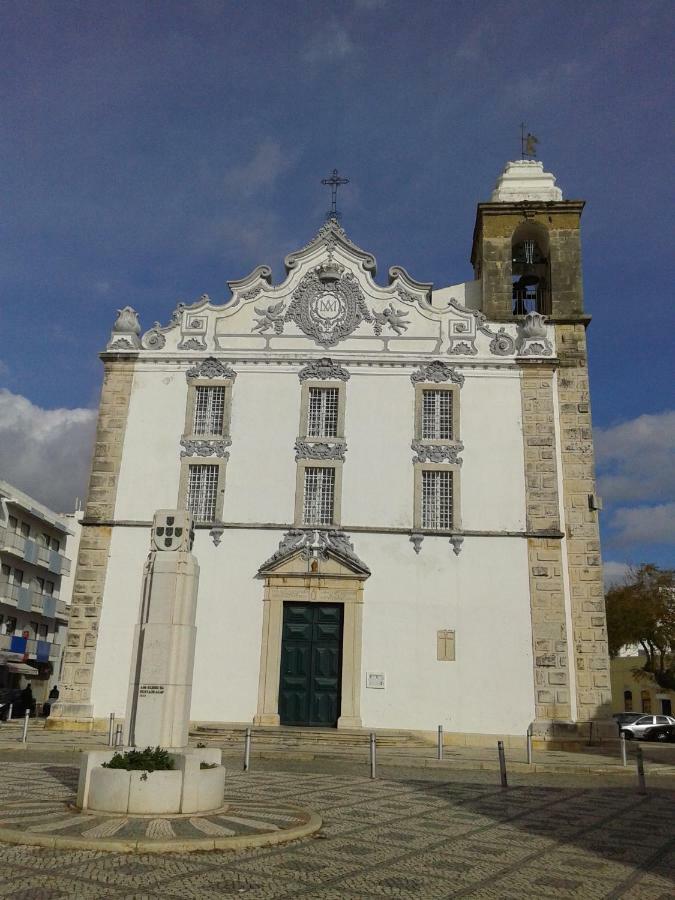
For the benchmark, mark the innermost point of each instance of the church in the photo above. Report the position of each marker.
(392, 486)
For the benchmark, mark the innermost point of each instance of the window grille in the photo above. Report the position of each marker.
(437, 415)
(209, 414)
(202, 492)
(322, 412)
(436, 499)
(319, 496)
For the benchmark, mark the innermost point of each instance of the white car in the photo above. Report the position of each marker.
(638, 728)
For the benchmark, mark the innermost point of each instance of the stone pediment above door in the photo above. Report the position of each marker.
(306, 552)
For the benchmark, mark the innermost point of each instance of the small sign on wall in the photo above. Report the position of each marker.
(376, 680)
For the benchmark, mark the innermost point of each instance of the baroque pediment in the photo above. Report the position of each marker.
(329, 300)
(301, 547)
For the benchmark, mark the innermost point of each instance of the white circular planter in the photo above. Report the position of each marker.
(186, 789)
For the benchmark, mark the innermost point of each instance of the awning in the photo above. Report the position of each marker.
(22, 669)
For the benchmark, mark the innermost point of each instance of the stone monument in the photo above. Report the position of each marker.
(160, 690)
(160, 682)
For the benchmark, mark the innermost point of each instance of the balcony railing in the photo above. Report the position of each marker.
(33, 552)
(31, 646)
(28, 600)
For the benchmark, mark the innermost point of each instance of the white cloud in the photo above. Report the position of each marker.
(614, 572)
(259, 172)
(644, 524)
(636, 459)
(330, 43)
(45, 452)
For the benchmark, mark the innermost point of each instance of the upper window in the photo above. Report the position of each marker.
(13, 523)
(25, 529)
(202, 491)
(437, 415)
(209, 410)
(437, 490)
(319, 496)
(322, 412)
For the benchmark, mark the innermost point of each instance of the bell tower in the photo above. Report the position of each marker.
(527, 256)
(526, 247)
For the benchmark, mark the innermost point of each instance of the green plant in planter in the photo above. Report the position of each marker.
(152, 759)
(205, 765)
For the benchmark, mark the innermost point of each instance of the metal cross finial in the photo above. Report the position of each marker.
(334, 181)
(528, 144)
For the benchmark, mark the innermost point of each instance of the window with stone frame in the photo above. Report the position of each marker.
(318, 506)
(322, 412)
(202, 491)
(437, 415)
(209, 410)
(437, 499)
(10, 625)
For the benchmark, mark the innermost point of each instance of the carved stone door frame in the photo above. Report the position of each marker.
(334, 584)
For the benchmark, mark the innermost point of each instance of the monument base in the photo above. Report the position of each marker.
(186, 789)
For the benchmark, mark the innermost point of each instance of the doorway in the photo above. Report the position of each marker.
(311, 664)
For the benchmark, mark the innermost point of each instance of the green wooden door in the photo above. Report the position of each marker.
(311, 664)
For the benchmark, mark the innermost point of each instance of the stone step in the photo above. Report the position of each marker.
(293, 738)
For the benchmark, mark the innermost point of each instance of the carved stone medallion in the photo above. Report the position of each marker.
(328, 312)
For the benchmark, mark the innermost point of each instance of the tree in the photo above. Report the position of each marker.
(641, 611)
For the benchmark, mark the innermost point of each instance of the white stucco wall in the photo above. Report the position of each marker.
(377, 487)
(488, 689)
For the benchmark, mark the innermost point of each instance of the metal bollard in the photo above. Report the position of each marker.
(373, 755)
(118, 736)
(24, 736)
(9, 712)
(440, 742)
(590, 734)
(111, 729)
(622, 739)
(502, 763)
(529, 745)
(247, 750)
(642, 786)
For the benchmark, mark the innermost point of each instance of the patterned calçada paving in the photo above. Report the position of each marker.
(409, 837)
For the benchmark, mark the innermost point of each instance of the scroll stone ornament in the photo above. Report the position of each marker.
(126, 331)
(437, 372)
(210, 368)
(534, 326)
(437, 453)
(205, 448)
(323, 369)
(319, 450)
(328, 313)
(314, 543)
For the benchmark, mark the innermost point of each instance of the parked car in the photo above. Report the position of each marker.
(665, 733)
(638, 728)
(625, 718)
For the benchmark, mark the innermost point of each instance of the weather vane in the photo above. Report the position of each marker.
(528, 144)
(334, 181)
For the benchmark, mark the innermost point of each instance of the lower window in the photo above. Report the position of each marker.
(202, 492)
(319, 496)
(437, 492)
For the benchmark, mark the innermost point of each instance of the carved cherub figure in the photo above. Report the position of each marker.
(391, 317)
(270, 317)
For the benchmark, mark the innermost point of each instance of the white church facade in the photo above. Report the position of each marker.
(392, 487)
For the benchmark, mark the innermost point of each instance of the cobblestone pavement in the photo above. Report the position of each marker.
(410, 836)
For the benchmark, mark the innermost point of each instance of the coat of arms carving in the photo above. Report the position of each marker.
(328, 310)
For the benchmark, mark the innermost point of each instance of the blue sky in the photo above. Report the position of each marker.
(150, 151)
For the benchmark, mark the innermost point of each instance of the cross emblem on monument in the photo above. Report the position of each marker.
(334, 181)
